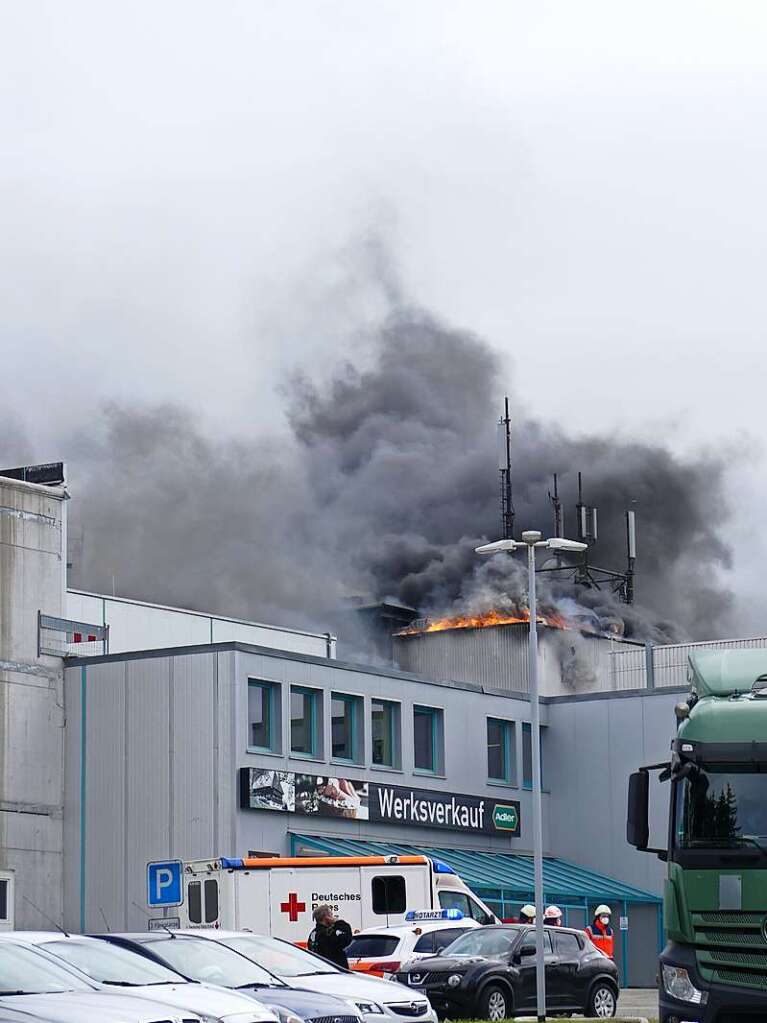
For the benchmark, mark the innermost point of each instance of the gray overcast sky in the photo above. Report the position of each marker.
(183, 185)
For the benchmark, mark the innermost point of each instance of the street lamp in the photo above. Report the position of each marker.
(532, 539)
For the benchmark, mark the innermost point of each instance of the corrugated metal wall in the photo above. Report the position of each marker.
(156, 754)
(497, 657)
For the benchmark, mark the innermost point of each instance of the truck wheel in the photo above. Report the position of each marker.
(603, 1002)
(494, 1004)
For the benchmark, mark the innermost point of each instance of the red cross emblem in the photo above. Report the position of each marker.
(293, 907)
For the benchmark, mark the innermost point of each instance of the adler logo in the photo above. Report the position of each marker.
(505, 818)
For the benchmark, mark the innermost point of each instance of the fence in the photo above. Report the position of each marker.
(663, 667)
(61, 637)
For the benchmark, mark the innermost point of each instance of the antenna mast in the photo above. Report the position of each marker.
(583, 573)
(504, 468)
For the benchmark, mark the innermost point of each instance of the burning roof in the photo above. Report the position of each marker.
(575, 618)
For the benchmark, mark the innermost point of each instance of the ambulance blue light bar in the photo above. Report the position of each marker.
(419, 915)
(441, 868)
(231, 864)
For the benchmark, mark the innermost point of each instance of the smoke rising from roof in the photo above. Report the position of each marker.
(387, 483)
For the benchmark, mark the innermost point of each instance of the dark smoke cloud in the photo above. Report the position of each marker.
(384, 490)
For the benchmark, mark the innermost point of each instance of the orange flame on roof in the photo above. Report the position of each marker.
(486, 620)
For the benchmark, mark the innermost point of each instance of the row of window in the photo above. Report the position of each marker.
(306, 707)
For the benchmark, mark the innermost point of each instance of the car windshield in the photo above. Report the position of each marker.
(483, 942)
(278, 956)
(365, 946)
(24, 971)
(722, 806)
(211, 962)
(110, 964)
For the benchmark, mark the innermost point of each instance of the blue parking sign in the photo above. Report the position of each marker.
(163, 883)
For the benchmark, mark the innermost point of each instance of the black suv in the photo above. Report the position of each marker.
(489, 973)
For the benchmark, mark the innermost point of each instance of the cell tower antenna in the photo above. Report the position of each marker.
(556, 501)
(504, 468)
(631, 546)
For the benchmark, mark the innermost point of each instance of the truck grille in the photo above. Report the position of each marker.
(732, 948)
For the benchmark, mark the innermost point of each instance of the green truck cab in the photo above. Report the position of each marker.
(713, 968)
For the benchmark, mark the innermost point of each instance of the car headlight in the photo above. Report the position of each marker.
(285, 1015)
(677, 983)
(369, 1008)
(454, 980)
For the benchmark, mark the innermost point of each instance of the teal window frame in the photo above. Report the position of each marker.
(391, 708)
(507, 745)
(271, 689)
(527, 730)
(436, 715)
(353, 704)
(312, 699)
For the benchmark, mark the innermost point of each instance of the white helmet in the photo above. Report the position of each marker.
(528, 911)
(603, 911)
(552, 913)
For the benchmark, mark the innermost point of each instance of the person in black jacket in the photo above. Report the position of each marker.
(330, 936)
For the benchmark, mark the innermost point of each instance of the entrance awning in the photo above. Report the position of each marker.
(510, 875)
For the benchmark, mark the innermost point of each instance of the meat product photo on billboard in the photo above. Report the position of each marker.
(309, 794)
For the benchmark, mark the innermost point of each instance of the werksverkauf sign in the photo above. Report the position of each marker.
(454, 812)
(322, 796)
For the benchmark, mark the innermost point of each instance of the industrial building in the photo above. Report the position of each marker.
(185, 735)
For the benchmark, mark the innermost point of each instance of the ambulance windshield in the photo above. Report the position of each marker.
(279, 956)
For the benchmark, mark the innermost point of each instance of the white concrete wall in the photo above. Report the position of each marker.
(32, 580)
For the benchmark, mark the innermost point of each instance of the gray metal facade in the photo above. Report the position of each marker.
(167, 732)
(165, 736)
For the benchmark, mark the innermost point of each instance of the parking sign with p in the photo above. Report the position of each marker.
(163, 883)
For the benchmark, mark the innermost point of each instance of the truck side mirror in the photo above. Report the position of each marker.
(637, 827)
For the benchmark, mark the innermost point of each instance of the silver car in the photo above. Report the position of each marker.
(110, 966)
(35, 987)
(376, 1000)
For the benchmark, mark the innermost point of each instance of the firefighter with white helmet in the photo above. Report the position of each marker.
(553, 916)
(601, 932)
(527, 914)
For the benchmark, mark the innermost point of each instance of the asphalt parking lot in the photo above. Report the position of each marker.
(638, 1002)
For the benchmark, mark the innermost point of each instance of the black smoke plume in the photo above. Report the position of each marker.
(387, 484)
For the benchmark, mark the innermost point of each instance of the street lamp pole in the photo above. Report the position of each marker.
(532, 539)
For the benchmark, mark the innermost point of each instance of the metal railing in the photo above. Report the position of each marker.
(62, 637)
(664, 667)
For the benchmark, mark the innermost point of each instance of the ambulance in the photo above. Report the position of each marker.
(277, 895)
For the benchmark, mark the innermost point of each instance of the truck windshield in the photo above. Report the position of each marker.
(722, 806)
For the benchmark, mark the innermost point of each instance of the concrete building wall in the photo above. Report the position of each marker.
(165, 736)
(32, 580)
(137, 625)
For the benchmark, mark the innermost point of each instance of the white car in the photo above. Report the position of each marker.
(381, 951)
(38, 987)
(112, 967)
(377, 1001)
